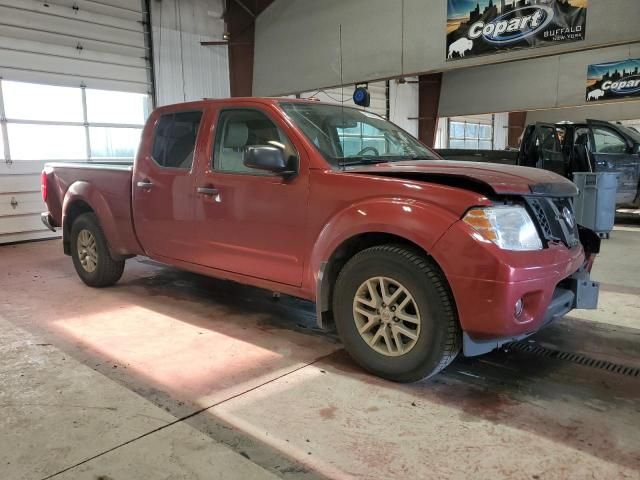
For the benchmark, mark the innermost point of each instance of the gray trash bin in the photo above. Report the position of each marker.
(595, 206)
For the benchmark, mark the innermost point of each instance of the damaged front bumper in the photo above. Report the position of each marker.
(576, 292)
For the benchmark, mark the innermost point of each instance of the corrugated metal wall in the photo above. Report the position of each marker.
(186, 70)
(98, 44)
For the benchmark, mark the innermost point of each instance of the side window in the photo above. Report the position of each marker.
(607, 141)
(174, 139)
(238, 129)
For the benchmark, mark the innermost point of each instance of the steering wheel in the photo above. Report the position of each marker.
(373, 149)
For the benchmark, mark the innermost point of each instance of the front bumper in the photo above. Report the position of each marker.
(578, 291)
(488, 282)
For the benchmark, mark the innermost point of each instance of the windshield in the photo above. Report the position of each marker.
(348, 136)
(631, 132)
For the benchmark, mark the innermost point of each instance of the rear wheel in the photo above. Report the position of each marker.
(395, 313)
(90, 253)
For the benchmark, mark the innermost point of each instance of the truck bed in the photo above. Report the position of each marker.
(106, 187)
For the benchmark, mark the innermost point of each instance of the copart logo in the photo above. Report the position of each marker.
(514, 25)
(626, 86)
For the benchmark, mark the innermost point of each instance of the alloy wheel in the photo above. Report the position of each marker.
(386, 316)
(87, 250)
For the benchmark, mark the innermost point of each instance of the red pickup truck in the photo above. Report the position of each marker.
(412, 258)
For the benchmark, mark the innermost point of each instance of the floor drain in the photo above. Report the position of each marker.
(535, 349)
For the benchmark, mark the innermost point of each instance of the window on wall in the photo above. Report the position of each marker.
(362, 137)
(470, 134)
(113, 142)
(45, 122)
(46, 142)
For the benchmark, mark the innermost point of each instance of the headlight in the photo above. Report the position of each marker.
(509, 227)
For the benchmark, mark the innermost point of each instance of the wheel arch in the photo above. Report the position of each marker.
(374, 221)
(75, 208)
(82, 197)
(330, 269)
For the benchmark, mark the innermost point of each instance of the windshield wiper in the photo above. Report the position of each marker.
(360, 161)
(382, 159)
(415, 157)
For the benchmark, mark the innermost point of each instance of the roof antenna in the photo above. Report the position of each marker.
(341, 94)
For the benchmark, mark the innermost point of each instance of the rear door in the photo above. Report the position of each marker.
(541, 148)
(163, 185)
(613, 152)
(550, 149)
(527, 157)
(579, 150)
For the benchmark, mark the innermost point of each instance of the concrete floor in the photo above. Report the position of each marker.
(172, 375)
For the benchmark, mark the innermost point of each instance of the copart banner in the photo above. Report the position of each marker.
(482, 27)
(608, 81)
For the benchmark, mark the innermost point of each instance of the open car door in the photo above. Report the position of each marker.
(541, 148)
(614, 151)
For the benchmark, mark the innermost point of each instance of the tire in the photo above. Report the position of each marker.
(96, 268)
(431, 311)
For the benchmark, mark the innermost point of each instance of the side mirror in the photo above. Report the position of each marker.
(268, 158)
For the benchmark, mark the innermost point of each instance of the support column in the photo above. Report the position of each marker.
(517, 123)
(428, 103)
(240, 18)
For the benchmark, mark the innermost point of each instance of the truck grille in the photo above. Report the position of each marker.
(555, 219)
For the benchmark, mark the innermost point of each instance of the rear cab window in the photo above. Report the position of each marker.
(174, 139)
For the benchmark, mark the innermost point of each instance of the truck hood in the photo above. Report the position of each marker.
(485, 178)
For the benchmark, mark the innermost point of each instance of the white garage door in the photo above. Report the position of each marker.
(75, 85)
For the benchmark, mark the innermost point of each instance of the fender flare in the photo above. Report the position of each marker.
(418, 222)
(83, 191)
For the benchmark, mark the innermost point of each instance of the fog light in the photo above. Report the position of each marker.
(518, 308)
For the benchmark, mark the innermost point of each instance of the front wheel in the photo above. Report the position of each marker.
(395, 313)
(90, 253)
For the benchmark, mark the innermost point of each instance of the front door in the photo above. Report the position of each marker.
(251, 221)
(163, 186)
(613, 152)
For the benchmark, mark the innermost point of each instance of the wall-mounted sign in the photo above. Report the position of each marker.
(482, 27)
(607, 81)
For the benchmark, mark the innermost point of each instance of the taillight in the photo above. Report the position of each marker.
(43, 185)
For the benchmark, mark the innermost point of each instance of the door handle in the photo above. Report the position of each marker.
(144, 184)
(207, 190)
